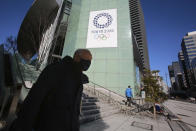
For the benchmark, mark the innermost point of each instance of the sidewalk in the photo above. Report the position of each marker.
(121, 122)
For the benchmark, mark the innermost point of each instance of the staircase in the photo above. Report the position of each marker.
(99, 102)
(94, 108)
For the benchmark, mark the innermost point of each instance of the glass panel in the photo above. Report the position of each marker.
(112, 68)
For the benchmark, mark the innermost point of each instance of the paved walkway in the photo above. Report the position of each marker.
(184, 110)
(120, 122)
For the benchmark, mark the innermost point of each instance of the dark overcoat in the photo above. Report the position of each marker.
(53, 103)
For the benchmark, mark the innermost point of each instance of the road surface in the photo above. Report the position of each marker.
(184, 110)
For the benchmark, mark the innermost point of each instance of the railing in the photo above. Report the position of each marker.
(109, 96)
(110, 91)
(115, 99)
(120, 97)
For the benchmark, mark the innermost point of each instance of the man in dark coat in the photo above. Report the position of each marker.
(53, 103)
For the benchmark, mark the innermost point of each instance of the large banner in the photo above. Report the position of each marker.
(102, 29)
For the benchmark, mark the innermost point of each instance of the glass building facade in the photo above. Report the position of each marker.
(138, 29)
(105, 27)
(112, 67)
(183, 70)
(189, 51)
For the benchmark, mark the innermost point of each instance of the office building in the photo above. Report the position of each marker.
(104, 27)
(183, 70)
(193, 65)
(172, 77)
(176, 77)
(138, 29)
(189, 51)
(113, 31)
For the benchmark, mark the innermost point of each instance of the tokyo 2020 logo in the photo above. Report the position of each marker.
(102, 20)
(101, 37)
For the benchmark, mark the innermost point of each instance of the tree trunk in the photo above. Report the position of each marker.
(154, 111)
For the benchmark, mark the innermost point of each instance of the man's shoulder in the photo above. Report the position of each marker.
(65, 63)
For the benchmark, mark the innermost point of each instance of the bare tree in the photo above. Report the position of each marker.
(154, 93)
(10, 45)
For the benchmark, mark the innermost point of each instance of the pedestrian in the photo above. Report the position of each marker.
(128, 94)
(53, 103)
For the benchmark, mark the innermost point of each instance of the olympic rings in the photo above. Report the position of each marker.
(101, 36)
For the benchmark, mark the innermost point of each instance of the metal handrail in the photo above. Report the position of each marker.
(110, 91)
(99, 92)
(122, 107)
(107, 89)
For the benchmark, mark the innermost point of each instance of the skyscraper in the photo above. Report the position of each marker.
(183, 70)
(110, 29)
(172, 77)
(189, 51)
(138, 29)
(176, 77)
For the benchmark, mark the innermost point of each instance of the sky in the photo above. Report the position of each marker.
(12, 13)
(166, 21)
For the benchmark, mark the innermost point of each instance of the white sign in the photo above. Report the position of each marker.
(143, 94)
(102, 29)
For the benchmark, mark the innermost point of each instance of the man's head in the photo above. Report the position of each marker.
(129, 86)
(83, 57)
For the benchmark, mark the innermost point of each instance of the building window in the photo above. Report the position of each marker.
(191, 47)
(193, 51)
(192, 55)
(190, 44)
(188, 38)
(189, 41)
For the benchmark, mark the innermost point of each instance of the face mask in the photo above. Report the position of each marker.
(85, 64)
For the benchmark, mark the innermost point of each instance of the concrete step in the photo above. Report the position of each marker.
(90, 107)
(84, 95)
(90, 100)
(89, 118)
(88, 97)
(90, 112)
(93, 109)
(88, 103)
